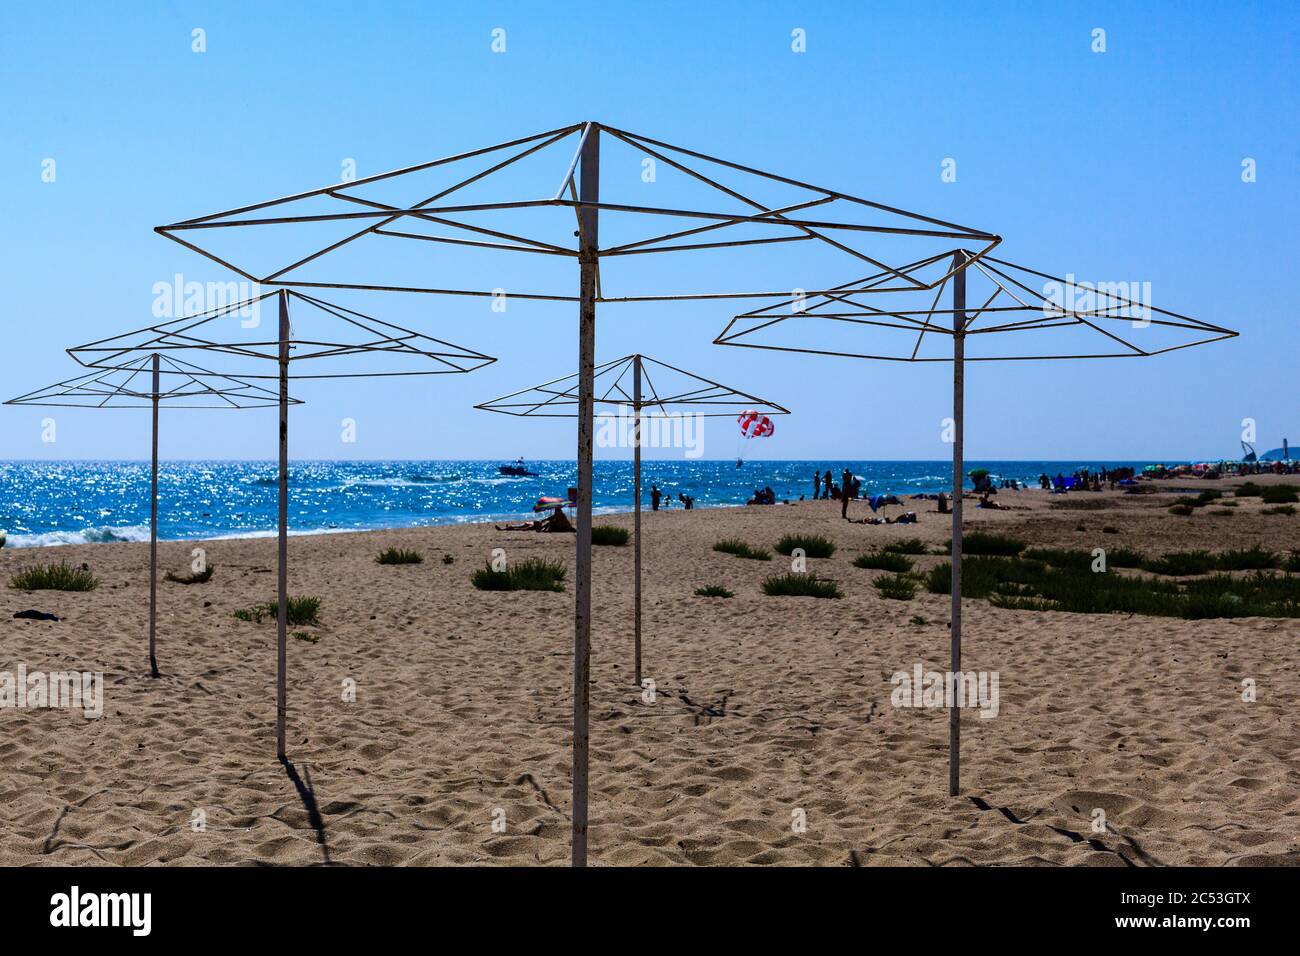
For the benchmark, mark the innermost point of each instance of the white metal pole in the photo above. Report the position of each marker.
(588, 192)
(636, 514)
(153, 532)
(958, 401)
(282, 610)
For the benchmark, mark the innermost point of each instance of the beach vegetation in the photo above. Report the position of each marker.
(741, 550)
(1062, 557)
(895, 587)
(989, 543)
(1020, 584)
(1279, 495)
(906, 546)
(307, 637)
(1181, 563)
(399, 556)
(300, 611)
(191, 577)
(883, 561)
(1248, 490)
(713, 590)
(794, 584)
(1124, 558)
(1182, 511)
(54, 577)
(813, 545)
(530, 574)
(609, 534)
(1279, 510)
(448, 559)
(1253, 558)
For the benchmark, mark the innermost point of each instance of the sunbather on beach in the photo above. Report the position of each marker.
(556, 522)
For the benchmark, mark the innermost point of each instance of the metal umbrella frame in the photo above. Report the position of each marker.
(373, 337)
(579, 195)
(1011, 306)
(628, 384)
(188, 387)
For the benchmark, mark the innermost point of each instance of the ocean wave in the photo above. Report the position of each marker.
(99, 535)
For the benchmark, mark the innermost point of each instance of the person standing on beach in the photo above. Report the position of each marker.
(846, 485)
(817, 485)
(655, 494)
(826, 483)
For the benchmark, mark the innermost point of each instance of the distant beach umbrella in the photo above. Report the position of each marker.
(649, 389)
(999, 312)
(144, 382)
(325, 333)
(502, 202)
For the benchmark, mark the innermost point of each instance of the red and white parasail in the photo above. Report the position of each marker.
(755, 425)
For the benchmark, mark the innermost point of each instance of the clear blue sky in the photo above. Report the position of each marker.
(1122, 165)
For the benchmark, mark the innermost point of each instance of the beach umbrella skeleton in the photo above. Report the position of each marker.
(1007, 312)
(728, 208)
(360, 336)
(140, 384)
(629, 383)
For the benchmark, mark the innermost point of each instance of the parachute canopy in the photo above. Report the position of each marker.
(755, 425)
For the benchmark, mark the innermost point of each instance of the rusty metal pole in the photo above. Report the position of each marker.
(282, 611)
(636, 512)
(958, 401)
(153, 531)
(588, 192)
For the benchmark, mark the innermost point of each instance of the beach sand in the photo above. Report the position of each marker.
(766, 707)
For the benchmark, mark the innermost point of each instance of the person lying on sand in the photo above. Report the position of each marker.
(556, 522)
(907, 517)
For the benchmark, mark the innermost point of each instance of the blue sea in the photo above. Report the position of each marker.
(75, 502)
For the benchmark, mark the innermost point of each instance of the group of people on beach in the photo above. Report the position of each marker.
(658, 498)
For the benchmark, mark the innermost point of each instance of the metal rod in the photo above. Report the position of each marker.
(153, 530)
(636, 512)
(958, 400)
(588, 263)
(282, 612)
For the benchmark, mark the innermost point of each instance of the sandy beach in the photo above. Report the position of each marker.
(768, 709)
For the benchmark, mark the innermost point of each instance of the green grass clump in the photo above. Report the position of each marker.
(814, 545)
(1248, 490)
(1062, 557)
(1181, 563)
(191, 577)
(906, 546)
(1253, 558)
(1124, 558)
(54, 577)
(300, 611)
(1279, 510)
(713, 590)
(1222, 512)
(307, 636)
(896, 587)
(1181, 510)
(883, 561)
(609, 534)
(801, 585)
(988, 543)
(448, 559)
(1292, 562)
(981, 576)
(1279, 495)
(741, 550)
(1030, 585)
(399, 556)
(531, 574)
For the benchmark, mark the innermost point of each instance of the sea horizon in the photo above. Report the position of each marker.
(80, 501)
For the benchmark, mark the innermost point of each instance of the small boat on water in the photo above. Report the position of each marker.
(517, 470)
